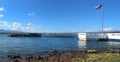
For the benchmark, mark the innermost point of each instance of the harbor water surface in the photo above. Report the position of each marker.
(24, 45)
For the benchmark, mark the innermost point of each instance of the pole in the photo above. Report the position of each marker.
(102, 18)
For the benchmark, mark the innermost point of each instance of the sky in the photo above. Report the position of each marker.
(58, 15)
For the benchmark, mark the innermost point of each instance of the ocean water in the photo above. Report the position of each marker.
(24, 45)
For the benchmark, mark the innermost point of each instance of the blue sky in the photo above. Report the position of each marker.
(58, 15)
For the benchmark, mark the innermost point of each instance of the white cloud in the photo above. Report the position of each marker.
(1, 15)
(18, 26)
(29, 24)
(2, 8)
(108, 29)
(31, 14)
(111, 29)
(15, 26)
(4, 23)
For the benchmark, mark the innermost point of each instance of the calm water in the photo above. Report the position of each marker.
(38, 44)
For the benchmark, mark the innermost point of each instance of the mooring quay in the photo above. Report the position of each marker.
(98, 36)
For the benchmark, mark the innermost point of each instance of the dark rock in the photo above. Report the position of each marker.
(91, 51)
(39, 58)
(29, 57)
(14, 56)
(16, 60)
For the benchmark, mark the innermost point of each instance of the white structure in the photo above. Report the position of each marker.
(82, 36)
(114, 36)
(97, 36)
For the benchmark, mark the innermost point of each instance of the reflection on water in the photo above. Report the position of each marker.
(82, 45)
(100, 46)
(114, 46)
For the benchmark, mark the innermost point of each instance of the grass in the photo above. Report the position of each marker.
(77, 60)
(100, 57)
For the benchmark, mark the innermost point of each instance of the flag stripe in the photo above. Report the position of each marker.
(98, 7)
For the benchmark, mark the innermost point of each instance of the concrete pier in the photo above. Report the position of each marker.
(92, 36)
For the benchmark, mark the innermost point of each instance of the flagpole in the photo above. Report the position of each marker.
(102, 18)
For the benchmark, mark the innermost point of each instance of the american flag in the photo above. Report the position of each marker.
(99, 7)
